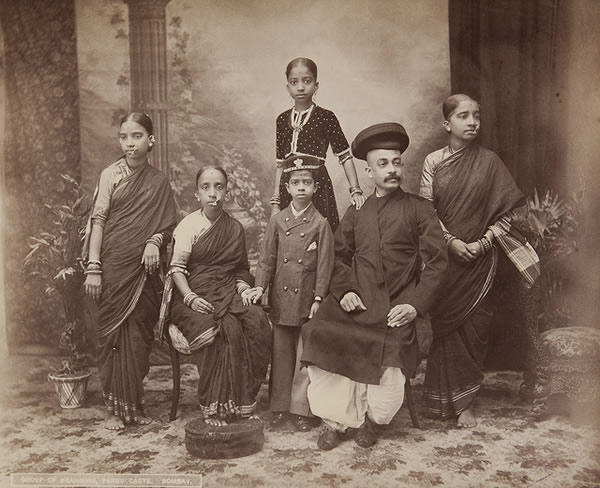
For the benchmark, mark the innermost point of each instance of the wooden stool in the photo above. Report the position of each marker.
(569, 366)
(176, 371)
(233, 440)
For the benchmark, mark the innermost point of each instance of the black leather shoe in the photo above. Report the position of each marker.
(328, 439)
(365, 435)
(303, 424)
(279, 418)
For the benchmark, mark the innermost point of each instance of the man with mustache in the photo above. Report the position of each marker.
(389, 260)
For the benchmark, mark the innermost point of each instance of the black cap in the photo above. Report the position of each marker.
(297, 162)
(388, 135)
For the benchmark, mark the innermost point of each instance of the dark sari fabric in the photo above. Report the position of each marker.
(472, 189)
(233, 366)
(142, 205)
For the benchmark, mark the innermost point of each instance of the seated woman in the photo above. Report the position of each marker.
(229, 338)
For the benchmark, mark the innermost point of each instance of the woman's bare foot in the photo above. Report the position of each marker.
(143, 420)
(466, 419)
(214, 422)
(112, 422)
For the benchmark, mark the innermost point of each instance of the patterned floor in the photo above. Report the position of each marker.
(507, 448)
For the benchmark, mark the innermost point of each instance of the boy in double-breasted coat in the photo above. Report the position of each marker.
(296, 264)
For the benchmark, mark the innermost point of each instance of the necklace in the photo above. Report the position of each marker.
(298, 121)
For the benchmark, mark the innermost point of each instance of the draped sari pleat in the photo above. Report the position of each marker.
(472, 189)
(233, 363)
(142, 205)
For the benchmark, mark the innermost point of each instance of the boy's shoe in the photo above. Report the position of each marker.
(303, 424)
(366, 435)
(328, 439)
(279, 418)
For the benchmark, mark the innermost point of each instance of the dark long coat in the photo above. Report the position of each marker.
(389, 252)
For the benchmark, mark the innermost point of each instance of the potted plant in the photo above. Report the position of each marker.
(54, 261)
(554, 225)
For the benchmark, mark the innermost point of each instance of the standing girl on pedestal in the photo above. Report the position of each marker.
(132, 220)
(308, 130)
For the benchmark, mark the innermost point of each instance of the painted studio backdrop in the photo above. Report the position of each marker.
(70, 69)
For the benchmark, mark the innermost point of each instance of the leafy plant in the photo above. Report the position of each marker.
(554, 224)
(202, 136)
(54, 260)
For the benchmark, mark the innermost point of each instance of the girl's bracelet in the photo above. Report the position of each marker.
(355, 189)
(345, 158)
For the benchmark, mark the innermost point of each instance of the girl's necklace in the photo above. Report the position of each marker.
(298, 121)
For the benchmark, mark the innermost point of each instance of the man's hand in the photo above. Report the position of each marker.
(351, 302)
(313, 309)
(401, 315)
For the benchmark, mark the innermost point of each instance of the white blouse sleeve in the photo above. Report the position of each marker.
(426, 188)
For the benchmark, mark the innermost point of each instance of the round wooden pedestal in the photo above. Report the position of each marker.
(236, 439)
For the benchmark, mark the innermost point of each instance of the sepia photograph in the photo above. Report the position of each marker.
(404, 194)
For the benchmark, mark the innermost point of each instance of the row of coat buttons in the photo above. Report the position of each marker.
(302, 234)
(285, 288)
(285, 260)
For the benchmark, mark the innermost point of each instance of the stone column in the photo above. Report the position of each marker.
(148, 54)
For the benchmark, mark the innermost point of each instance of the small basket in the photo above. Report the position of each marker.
(70, 389)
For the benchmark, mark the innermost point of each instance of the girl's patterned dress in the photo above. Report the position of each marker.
(311, 132)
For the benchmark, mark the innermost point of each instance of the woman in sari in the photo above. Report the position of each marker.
(480, 209)
(132, 220)
(228, 338)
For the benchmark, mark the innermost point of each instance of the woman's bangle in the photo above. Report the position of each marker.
(156, 240)
(355, 189)
(189, 298)
(275, 200)
(243, 288)
(481, 245)
(94, 261)
(449, 237)
(93, 267)
(318, 299)
(487, 245)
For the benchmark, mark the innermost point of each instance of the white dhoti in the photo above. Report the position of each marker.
(343, 403)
